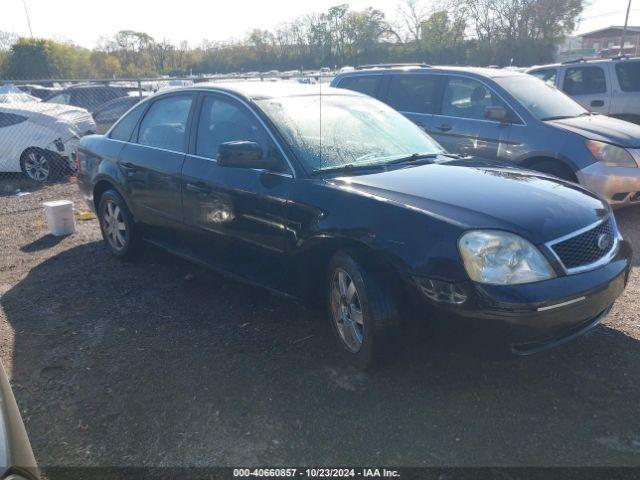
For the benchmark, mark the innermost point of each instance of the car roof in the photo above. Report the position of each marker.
(582, 61)
(483, 72)
(257, 90)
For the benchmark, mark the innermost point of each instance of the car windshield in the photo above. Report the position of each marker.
(544, 101)
(349, 131)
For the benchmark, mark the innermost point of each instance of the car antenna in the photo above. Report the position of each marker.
(320, 80)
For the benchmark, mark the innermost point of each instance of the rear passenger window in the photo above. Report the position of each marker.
(629, 76)
(414, 93)
(165, 124)
(467, 98)
(366, 85)
(584, 81)
(124, 128)
(548, 75)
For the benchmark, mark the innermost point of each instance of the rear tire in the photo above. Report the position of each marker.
(119, 230)
(363, 312)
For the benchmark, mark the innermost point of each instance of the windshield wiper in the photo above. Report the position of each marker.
(349, 167)
(415, 158)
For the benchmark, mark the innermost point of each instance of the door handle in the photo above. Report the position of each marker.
(444, 127)
(198, 188)
(597, 103)
(128, 166)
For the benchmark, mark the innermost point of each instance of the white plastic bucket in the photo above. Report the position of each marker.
(60, 217)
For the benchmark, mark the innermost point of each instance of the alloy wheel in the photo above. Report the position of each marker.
(114, 226)
(37, 166)
(346, 310)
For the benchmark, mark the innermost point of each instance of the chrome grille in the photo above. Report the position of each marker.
(587, 247)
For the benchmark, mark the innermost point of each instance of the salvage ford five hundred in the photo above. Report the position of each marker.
(335, 197)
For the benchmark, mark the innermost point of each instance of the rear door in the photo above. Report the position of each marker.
(15, 137)
(461, 126)
(152, 163)
(417, 96)
(626, 89)
(590, 86)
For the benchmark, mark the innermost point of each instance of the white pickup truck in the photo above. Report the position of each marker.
(607, 86)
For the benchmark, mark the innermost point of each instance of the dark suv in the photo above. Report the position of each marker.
(355, 206)
(514, 117)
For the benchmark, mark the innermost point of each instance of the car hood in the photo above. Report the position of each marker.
(603, 129)
(483, 195)
(65, 119)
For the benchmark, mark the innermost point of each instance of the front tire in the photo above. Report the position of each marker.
(362, 312)
(119, 230)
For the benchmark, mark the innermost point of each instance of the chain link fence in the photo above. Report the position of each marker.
(42, 121)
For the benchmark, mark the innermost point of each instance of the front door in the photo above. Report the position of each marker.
(152, 163)
(461, 126)
(242, 210)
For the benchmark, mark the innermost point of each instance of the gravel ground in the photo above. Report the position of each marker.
(161, 363)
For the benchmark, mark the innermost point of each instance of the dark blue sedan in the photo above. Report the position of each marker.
(338, 197)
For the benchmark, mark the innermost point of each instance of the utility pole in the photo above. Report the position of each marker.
(624, 30)
(24, 3)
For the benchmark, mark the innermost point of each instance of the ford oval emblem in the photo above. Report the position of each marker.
(603, 241)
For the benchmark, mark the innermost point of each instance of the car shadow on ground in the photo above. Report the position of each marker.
(158, 362)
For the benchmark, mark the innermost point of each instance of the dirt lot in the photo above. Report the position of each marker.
(161, 363)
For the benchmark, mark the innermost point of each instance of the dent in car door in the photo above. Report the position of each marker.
(461, 126)
(246, 208)
(152, 166)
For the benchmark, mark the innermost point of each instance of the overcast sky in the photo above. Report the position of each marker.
(193, 20)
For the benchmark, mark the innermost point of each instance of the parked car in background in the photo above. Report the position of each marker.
(513, 117)
(88, 97)
(610, 87)
(39, 91)
(109, 113)
(39, 139)
(357, 207)
(16, 457)
(12, 94)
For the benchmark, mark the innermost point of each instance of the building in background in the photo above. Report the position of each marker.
(603, 43)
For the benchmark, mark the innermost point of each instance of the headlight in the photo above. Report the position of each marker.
(610, 154)
(502, 258)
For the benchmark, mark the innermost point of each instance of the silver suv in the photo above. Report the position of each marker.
(610, 87)
(511, 117)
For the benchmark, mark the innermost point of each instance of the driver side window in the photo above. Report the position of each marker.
(467, 98)
(223, 121)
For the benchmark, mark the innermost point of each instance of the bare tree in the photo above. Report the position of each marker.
(7, 40)
(413, 13)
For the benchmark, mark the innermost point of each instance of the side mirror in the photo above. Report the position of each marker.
(241, 154)
(497, 114)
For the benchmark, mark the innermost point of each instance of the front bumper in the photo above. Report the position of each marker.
(620, 186)
(533, 317)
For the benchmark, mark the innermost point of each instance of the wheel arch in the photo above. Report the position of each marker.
(313, 261)
(531, 161)
(102, 185)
